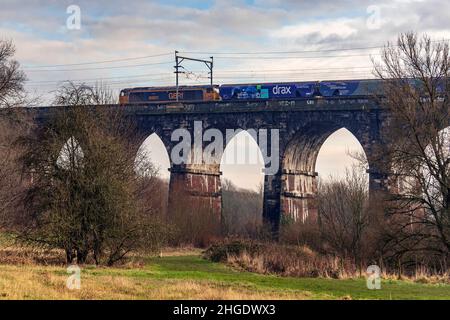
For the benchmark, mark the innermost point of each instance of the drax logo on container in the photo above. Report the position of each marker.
(282, 90)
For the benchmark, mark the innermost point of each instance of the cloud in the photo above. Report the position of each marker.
(112, 29)
(339, 28)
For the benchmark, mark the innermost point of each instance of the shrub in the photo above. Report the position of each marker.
(274, 258)
(220, 252)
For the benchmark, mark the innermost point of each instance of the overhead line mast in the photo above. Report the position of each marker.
(179, 59)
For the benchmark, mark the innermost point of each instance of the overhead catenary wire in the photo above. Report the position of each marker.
(304, 77)
(221, 74)
(288, 70)
(50, 69)
(296, 57)
(100, 62)
(168, 62)
(239, 74)
(149, 75)
(28, 67)
(283, 52)
(100, 68)
(108, 84)
(196, 52)
(295, 51)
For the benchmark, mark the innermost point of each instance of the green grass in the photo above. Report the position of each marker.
(189, 276)
(195, 268)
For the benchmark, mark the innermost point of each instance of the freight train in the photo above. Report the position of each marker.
(252, 91)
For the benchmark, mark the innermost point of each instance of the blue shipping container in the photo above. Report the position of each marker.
(267, 91)
(350, 88)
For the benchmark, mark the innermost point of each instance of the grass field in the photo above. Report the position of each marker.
(188, 276)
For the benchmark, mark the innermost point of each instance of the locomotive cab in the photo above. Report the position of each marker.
(169, 94)
(211, 93)
(123, 97)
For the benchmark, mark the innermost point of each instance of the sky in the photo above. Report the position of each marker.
(132, 43)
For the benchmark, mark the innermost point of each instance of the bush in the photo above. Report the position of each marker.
(274, 258)
(220, 252)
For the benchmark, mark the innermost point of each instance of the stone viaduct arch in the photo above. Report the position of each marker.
(300, 126)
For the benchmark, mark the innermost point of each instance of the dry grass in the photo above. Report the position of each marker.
(284, 260)
(180, 251)
(49, 282)
(301, 261)
(30, 256)
(181, 274)
(28, 273)
(421, 275)
(23, 255)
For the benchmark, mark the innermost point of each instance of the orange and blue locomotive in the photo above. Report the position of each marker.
(252, 91)
(169, 94)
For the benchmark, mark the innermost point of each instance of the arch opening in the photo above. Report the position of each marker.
(153, 153)
(323, 147)
(152, 169)
(339, 153)
(71, 155)
(242, 182)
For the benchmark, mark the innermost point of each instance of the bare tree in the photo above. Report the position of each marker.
(13, 123)
(344, 215)
(241, 211)
(12, 183)
(74, 94)
(11, 77)
(416, 152)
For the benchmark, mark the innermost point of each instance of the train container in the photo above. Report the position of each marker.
(267, 91)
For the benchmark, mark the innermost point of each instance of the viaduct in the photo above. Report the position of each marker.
(303, 126)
